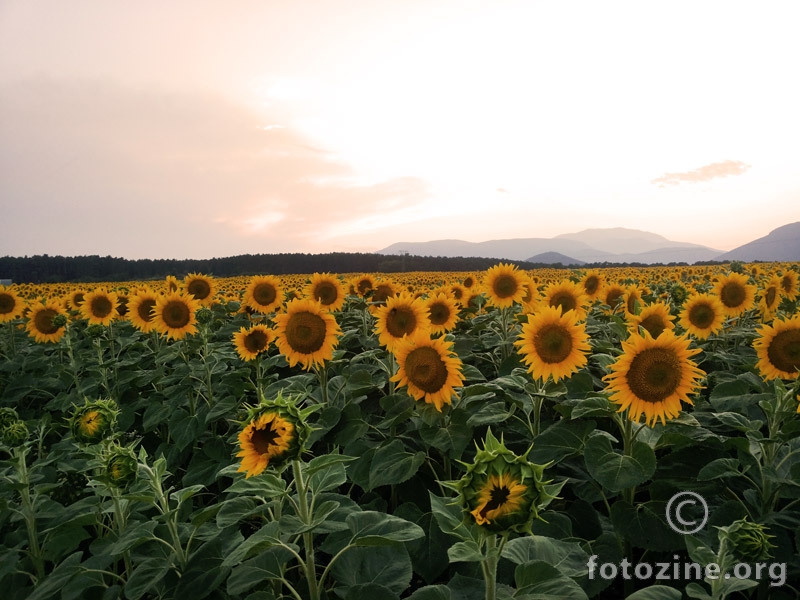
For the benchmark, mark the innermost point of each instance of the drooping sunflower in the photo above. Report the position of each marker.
(593, 282)
(174, 315)
(653, 375)
(789, 284)
(442, 313)
(736, 295)
(140, 310)
(778, 349)
(770, 298)
(327, 290)
(428, 368)
(268, 437)
(200, 287)
(43, 323)
(654, 318)
(264, 294)
(99, 307)
(503, 285)
(553, 343)
(306, 333)
(10, 304)
(249, 343)
(702, 315)
(567, 295)
(401, 315)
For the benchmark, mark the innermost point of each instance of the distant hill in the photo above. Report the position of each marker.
(616, 245)
(554, 258)
(781, 244)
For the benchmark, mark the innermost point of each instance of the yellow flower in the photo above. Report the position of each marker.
(568, 296)
(553, 344)
(174, 315)
(306, 333)
(264, 294)
(327, 290)
(140, 310)
(778, 349)
(99, 307)
(401, 315)
(501, 495)
(503, 285)
(736, 295)
(41, 322)
(654, 318)
(249, 343)
(267, 437)
(200, 287)
(702, 315)
(10, 304)
(442, 313)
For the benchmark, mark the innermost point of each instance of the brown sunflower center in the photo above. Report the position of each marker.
(305, 332)
(363, 286)
(401, 321)
(122, 305)
(497, 498)
(199, 288)
(326, 292)
(145, 310)
(770, 296)
(468, 282)
(654, 374)
(784, 351)
(787, 283)
(505, 286)
(256, 341)
(591, 283)
(7, 304)
(733, 294)
(654, 324)
(264, 439)
(382, 293)
(77, 299)
(701, 316)
(553, 343)
(101, 307)
(458, 293)
(565, 300)
(44, 321)
(425, 369)
(265, 294)
(439, 313)
(176, 314)
(614, 296)
(633, 300)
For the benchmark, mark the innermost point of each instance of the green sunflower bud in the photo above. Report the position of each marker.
(94, 421)
(204, 315)
(749, 541)
(120, 467)
(59, 321)
(502, 491)
(95, 331)
(15, 434)
(7, 417)
(274, 432)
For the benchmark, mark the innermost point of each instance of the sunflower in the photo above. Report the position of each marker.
(362, 284)
(173, 285)
(442, 313)
(428, 368)
(469, 281)
(43, 324)
(632, 299)
(267, 437)
(174, 315)
(327, 290)
(566, 295)
(99, 307)
(553, 343)
(401, 315)
(200, 287)
(382, 292)
(10, 304)
(264, 294)
(612, 295)
(592, 282)
(458, 292)
(306, 333)
(140, 310)
(778, 349)
(770, 298)
(736, 295)
(249, 343)
(501, 495)
(702, 315)
(504, 285)
(654, 318)
(789, 284)
(75, 299)
(653, 375)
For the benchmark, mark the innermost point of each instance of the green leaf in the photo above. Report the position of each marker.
(181, 496)
(538, 580)
(695, 590)
(567, 557)
(449, 517)
(432, 592)
(370, 591)
(721, 467)
(560, 440)
(134, 535)
(266, 485)
(392, 464)
(372, 528)
(645, 525)
(329, 477)
(265, 538)
(466, 551)
(493, 412)
(656, 592)
(53, 583)
(428, 553)
(614, 471)
(145, 576)
(268, 564)
(388, 566)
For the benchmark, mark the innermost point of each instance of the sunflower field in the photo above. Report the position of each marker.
(431, 436)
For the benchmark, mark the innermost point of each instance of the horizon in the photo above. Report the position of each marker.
(201, 130)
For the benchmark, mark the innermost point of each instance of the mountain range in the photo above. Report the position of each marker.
(614, 245)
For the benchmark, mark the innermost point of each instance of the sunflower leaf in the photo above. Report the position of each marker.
(614, 471)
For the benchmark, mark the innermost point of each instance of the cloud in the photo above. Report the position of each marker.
(93, 167)
(706, 173)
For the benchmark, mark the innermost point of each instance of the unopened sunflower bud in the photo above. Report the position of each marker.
(121, 467)
(94, 421)
(204, 316)
(95, 330)
(274, 432)
(15, 434)
(7, 416)
(59, 321)
(749, 541)
(502, 491)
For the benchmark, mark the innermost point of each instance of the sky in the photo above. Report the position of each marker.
(200, 129)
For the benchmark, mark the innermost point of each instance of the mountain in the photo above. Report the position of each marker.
(781, 244)
(591, 245)
(553, 258)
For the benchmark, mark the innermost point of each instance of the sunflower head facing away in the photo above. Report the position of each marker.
(553, 344)
(94, 421)
(653, 375)
(503, 285)
(778, 349)
(121, 467)
(306, 333)
(501, 491)
(274, 432)
(249, 343)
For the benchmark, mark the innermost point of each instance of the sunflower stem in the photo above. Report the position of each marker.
(305, 516)
(28, 514)
(489, 566)
(120, 520)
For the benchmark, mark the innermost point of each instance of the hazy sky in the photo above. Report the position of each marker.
(193, 129)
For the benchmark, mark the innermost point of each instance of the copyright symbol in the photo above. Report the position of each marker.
(677, 508)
